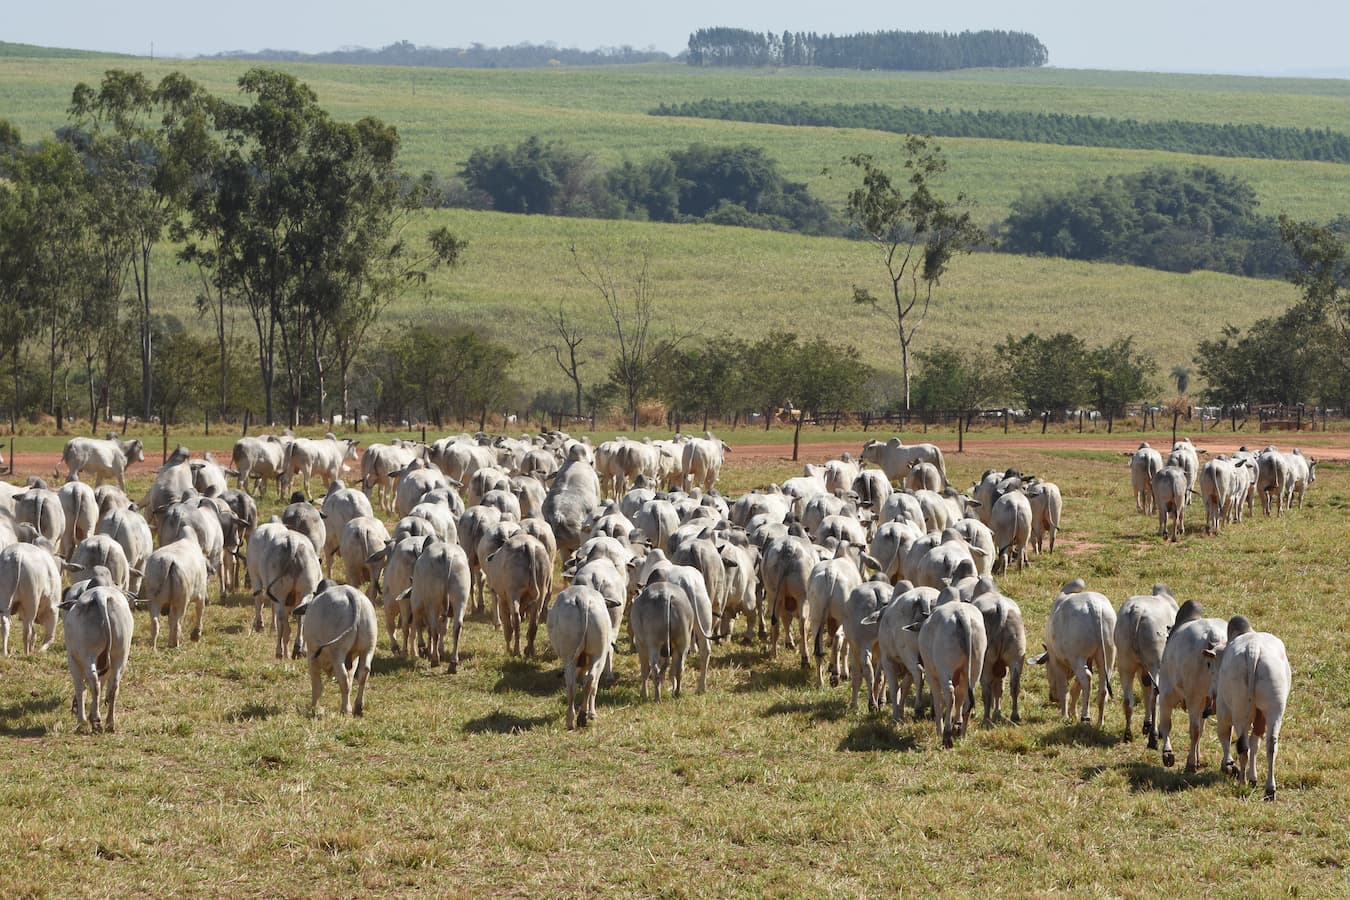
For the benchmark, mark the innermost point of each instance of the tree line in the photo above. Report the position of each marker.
(1164, 218)
(294, 224)
(723, 185)
(475, 56)
(890, 50)
(1176, 136)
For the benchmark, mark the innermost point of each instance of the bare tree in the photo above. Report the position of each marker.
(625, 284)
(569, 332)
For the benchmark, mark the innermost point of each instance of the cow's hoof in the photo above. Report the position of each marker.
(1191, 768)
(834, 679)
(196, 635)
(1152, 742)
(1085, 720)
(1270, 796)
(581, 721)
(452, 667)
(805, 664)
(1129, 736)
(1169, 758)
(360, 710)
(1016, 719)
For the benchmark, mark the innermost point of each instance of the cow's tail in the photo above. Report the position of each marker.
(665, 645)
(1104, 638)
(974, 668)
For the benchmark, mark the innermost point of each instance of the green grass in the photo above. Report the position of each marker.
(220, 781)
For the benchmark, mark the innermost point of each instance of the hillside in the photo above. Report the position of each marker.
(715, 280)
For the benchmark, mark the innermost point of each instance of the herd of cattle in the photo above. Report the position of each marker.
(893, 586)
(1226, 483)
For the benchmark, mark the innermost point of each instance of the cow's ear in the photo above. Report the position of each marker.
(1039, 660)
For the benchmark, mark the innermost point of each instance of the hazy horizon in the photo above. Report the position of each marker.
(1239, 37)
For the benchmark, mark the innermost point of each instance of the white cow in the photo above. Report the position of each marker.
(1249, 691)
(701, 461)
(1142, 625)
(30, 588)
(580, 631)
(952, 644)
(339, 629)
(1184, 678)
(98, 625)
(1079, 638)
(175, 575)
(1144, 464)
(895, 458)
(326, 458)
(106, 459)
(260, 460)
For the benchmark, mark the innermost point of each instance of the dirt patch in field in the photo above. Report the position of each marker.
(1075, 548)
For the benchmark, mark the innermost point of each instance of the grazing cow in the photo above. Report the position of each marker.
(1302, 473)
(895, 458)
(106, 459)
(339, 629)
(30, 588)
(98, 625)
(741, 564)
(209, 477)
(923, 476)
(571, 499)
(1184, 677)
(437, 599)
(898, 644)
(662, 620)
(980, 538)
(1144, 464)
(1079, 638)
(827, 591)
(1272, 479)
(381, 467)
(1141, 632)
(260, 460)
(340, 505)
(580, 631)
(79, 505)
(416, 480)
(1046, 508)
(872, 488)
(1005, 652)
(304, 519)
(398, 557)
(173, 484)
(1010, 520)
(175, 575)
(307, 457)
(701, 461)
(199, 519)
(1249, 691)
(903, 506)
(100, 550)
(1186, 457)
(839, 474)
(520, 573)
(1218, 486)
(785, 570)
(861, 630)
(40, 507)
(361, 539)
(952, 645)
(132, 532)
(1170, 491)
(283, 567)
(948, 561)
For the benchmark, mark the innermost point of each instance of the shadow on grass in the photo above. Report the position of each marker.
(870, 737)
(1081, 734)
(831, 710)
(12, 713)
(1150, 777)
(529, 676)
(254, 712)
(386, 664)
(499, 722)
(767, 679)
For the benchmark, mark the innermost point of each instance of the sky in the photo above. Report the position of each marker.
(1296, 37)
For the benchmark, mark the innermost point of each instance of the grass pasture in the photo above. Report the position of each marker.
(219, 781)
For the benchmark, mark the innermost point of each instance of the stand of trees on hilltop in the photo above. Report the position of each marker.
(891, 50)
(475, 56)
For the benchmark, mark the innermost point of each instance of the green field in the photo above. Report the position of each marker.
(713, 280)
(220, 782)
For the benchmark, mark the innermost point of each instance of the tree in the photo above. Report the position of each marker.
(702, 380)
(1322, 276)
(118, 136)
(1118, 375)
(917, 232)
(824, 377)
(1047, 375)
(565, 354)
(625, 285)
(958, 380)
